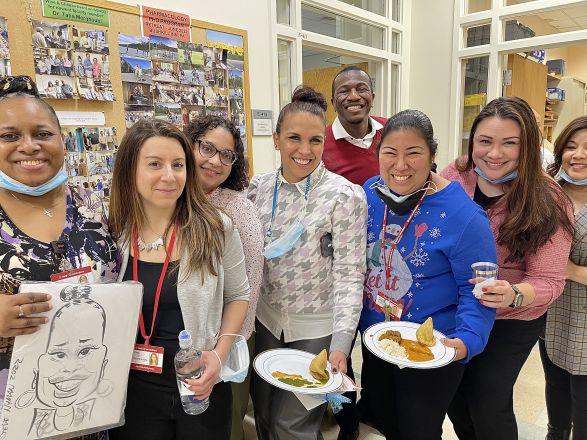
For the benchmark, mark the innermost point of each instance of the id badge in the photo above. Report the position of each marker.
(148, 358)
(80, 275)
(392, 309)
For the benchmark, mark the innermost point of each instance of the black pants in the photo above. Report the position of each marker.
(566, 398)
(408, 403)
(155, 412)
(484, 406)
(348, 418)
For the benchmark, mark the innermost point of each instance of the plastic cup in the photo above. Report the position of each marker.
(484, 270)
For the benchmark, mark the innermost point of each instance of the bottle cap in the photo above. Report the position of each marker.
(185, 339)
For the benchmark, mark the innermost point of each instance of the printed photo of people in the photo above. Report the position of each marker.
(164, 71)
(195, 76)
(133, 46)
(191, 112)
(136, 94)
(99, 163)
(89, 40)
(216, 78)
(163, 48)
(215, 58)
(235, 79)
(136, 70)
(190, 55)
(133, 114)
(72, 164)
(223, 113)
(96, 90)
(100, 185)
(215, 97)
(52, 61)
(70, 140)
(4, 49)
(56, 87)
(169, 112)
(50, 34)
(93, 76)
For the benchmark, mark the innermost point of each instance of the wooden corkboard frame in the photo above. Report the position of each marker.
(21, 55)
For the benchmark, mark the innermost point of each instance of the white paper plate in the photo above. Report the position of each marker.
(289, 361)
(443, 355)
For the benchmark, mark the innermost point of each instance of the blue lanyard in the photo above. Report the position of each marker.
(275, 195)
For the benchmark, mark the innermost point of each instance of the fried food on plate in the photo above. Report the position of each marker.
(424, 334)
(318, 367)
(392, 335)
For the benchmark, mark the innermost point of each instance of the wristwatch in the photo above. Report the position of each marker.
(518, 297)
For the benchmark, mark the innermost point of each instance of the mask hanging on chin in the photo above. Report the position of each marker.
(509, 176)
(563, 175)
(399, 205)
(15, 186)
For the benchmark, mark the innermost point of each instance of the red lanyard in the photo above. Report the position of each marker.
(159, 284)
(387, 262)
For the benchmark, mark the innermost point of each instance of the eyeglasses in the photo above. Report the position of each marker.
(209, 150)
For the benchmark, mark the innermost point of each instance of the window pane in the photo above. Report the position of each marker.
(283, 11)
(396, 42)
(375, 6)
(477, 6)
(515, 2)
(284, 71)
(546, 23)
(347, 29)
(394, 86)
(475, 93)
(396, 10)
(477, 35)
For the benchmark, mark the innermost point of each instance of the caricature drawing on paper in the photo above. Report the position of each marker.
(69, 377)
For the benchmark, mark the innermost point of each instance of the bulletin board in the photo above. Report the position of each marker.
(125, 19)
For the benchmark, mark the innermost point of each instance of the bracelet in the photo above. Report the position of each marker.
(219, 360)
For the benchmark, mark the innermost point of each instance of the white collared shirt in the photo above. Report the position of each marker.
(340, 133)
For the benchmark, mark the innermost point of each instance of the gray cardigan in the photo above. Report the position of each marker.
(202, 303)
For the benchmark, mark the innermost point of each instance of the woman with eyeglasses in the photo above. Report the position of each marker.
(46, 226)
(314, 261)
(222, 171)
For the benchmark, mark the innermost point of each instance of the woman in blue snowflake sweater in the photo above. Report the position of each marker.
(424, 233)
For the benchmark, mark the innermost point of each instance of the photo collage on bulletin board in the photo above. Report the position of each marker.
(89, 160)
(71, 62)
(178, 82)
(4, 49)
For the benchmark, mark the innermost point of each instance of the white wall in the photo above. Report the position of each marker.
(254, 17)
(431, 67)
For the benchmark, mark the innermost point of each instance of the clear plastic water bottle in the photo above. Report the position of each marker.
(188, 365)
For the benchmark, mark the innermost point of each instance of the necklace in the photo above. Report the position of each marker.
(47, 211)
(153, 246)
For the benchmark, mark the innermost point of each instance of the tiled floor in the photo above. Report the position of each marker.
(528, 402)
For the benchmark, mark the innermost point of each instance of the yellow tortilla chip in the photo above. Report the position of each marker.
(318, 366)
(424, 334)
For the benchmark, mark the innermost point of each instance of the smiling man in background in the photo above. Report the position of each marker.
(351, 141)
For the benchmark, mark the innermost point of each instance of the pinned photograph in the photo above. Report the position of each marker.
(133, 114)
(136, 94)
(56, 87)
(4, 49)
(50, 34)
(190, 55)
(99, 163)
(195, 76)
(222, 112)
(169, 112)
(190, 113)
(215, 58)
(138, 70)
(163, 48)
(235, 79)
(72, 164)
(70, 377)
(133, 46)
(215, 97)
(70, 140)
(52, 61)
(164, 71)
(96, 90)
(89, 40)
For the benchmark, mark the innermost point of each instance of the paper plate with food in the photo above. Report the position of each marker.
(297, 371)
(408, 344)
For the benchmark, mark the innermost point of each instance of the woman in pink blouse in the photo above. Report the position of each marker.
(530, 218)
(222, 169)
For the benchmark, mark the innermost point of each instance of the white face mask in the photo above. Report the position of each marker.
(236, 367)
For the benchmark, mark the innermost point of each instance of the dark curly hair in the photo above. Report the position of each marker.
(238, 178)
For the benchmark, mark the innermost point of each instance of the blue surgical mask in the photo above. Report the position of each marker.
(509, 176)
(286, 242)
(15, 186)
(563, 175)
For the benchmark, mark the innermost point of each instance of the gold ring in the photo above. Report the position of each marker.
(20, 311)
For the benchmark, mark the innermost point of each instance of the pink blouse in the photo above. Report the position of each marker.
(244, 215)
